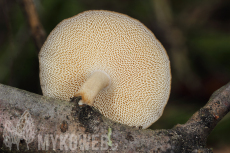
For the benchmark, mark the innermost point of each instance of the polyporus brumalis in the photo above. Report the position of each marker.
(112, 61)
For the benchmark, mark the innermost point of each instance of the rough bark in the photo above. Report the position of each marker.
(62, 118)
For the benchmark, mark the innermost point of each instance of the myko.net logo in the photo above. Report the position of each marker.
(72, 142)
(25, 130)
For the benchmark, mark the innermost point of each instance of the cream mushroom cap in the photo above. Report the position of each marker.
(136, 63)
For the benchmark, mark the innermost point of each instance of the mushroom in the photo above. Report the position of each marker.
(112, 61)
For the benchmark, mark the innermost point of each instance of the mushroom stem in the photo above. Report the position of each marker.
(93, 85)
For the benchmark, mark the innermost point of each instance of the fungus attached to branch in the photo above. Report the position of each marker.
(112, 61)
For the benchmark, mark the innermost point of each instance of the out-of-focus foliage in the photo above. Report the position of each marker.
(196, 32)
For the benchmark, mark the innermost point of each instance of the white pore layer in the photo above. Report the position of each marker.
(118, 45)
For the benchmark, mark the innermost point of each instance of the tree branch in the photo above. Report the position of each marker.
(38, 33)
(61, 118)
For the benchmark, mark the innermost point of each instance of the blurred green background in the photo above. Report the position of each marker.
(196, 35)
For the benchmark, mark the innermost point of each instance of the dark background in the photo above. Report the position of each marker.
(196, 35)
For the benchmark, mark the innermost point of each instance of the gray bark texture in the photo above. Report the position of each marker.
(48, 118)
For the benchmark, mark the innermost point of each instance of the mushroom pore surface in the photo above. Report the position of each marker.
(117, 45)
